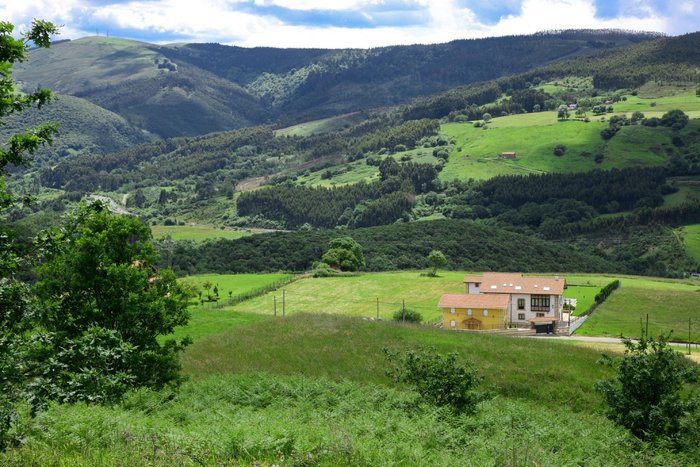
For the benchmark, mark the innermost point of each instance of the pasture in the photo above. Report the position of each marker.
(669, 305)
(323, 125)
(312, 389)
(198, 233)
(533, 137)
(691, 239)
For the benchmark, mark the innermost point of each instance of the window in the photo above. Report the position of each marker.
(486, 312)
(521, 304)
(540, 315)
(453, 323)
(521, 316)
(452, 310)
(539, 302)
(469, 311)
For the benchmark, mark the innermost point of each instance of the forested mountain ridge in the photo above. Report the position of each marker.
(670, 59)
(190, 89)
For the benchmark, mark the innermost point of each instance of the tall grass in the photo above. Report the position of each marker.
(298, 420)
(545, 372)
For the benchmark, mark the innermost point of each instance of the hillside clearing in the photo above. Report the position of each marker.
(691, 239)
(197, 233)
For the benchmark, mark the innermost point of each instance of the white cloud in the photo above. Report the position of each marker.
(540, 15)
(319, 4)
(226, 22)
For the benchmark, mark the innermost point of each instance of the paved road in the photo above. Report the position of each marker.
(600, 339)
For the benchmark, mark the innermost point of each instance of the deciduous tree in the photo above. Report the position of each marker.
(98, 278)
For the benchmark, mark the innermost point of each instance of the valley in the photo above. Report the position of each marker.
(269, 214)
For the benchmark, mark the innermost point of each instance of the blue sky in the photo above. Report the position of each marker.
(345, 23)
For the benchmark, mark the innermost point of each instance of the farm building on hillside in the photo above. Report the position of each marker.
(505, 300)
(508, 155)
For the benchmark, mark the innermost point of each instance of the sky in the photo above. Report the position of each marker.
(344, 23)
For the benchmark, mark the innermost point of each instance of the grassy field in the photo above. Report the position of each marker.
(692, 240)
(324, 125)
(312, 390)
(669, 304)
(358, 171)
(357, 295)
(210, 318)
(198, 233)
(584, 295)
(688, 190)
(533, 137)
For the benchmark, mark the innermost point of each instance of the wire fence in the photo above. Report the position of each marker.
(284, 303)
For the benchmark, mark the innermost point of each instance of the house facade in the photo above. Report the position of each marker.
(464, 311)
(535, 302)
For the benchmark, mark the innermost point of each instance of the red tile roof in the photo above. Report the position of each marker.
(463, 300)
(515, 282)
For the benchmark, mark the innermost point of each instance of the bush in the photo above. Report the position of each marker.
(407, 315)
(559, 150)
(646, 395)
(439, 379)
(321, 269)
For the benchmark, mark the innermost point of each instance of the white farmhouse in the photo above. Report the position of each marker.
(532, 301)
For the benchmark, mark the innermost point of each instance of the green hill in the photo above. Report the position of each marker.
(85, 129)
(138, 82)
(189, 89)
(312, 389)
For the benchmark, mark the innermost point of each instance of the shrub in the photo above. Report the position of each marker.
(321, 269)
(559, 150)
(646, 394)
(439, 379)
(407, 315)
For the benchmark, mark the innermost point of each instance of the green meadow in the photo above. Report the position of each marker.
(312, 390)
(533, 137)
(323, 125)
(688, 190)
(358, 295)
(237, 284)
(668, 304)
(197, 233)
(691, 239)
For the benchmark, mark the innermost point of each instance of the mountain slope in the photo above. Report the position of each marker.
(85, 129)
(190, 89)
(136, 81)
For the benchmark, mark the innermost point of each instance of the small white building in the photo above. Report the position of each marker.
(533, 301)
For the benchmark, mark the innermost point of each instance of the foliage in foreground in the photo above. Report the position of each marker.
(439, 379)
(104, 305)
(646, 396)
(293, 420)
(15, 299)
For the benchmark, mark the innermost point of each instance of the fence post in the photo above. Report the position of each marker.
(403, 310)
(275, 300)
(377, 308)
(283, 302)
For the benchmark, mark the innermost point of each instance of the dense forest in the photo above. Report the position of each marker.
(467, 245)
